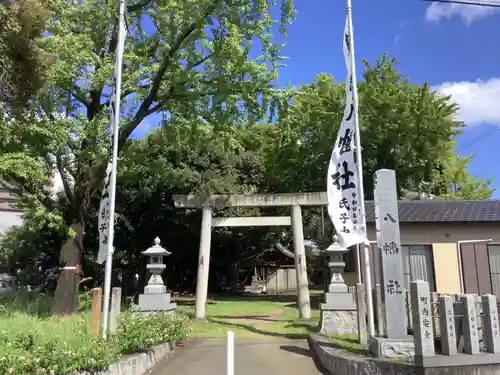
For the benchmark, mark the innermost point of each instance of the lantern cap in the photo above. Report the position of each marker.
(335, 246)
(156, 249)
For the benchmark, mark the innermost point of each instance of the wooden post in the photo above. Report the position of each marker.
(361, 304)
(96, 309)
(116, 298)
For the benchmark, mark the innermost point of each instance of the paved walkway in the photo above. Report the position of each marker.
(271, 356)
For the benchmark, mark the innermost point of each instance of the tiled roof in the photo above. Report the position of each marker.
(442, 210)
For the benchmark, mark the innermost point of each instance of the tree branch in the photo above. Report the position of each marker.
(141, 4)
(77, 93)
(20, 190)
(143, 110)
(199, 62)
(195, 94)
(124, 94)
(62, 172)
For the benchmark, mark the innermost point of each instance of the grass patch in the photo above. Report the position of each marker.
(348, 342)
(22, 301)
(39, 344)
(249, 318)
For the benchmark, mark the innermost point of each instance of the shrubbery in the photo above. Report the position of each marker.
(31, 344)
(137, 331)
(30, 303)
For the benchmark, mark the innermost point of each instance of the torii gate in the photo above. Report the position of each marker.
(293, 200)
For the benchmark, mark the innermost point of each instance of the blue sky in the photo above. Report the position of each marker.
(450, 46)
(453, 47)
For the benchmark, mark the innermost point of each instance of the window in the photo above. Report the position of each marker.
(349, 258)
(417, 265)
(494, 258)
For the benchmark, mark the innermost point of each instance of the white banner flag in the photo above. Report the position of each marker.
(104, 206)
(344, 203)
(103, 220)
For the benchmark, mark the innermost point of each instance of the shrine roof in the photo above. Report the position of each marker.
(442, 211)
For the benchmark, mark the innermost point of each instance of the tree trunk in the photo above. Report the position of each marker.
(66, 294)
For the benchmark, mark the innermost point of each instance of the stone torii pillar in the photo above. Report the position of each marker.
(203, 263)
(294, 201)
(303, 298)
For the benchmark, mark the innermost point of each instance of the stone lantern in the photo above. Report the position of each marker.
(155, 297)
(336, 264)
(338, 313)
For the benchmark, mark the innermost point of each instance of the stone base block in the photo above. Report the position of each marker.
(337, 288)
(339, 301)
(155, 289)
(156, 303)
(170, 312)
(336, 322)
(386, 348)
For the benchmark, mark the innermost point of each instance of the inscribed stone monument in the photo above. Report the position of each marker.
(389, 245)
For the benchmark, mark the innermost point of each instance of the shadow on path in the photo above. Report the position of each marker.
(263, 317)
(252, 329)
(306, 353)
(296, 349)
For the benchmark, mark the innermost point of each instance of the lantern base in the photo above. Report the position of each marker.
(338, 322)
(339, 301)
(339, 313)
(155, 289)
(156, 302)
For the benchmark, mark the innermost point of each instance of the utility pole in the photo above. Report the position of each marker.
(482, 3)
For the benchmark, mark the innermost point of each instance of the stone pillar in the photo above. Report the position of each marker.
(303, 301)
(114, 312)
(490, 326)
(203, 263)
(361, 307)
(95, 318)
(338, 313)
(447, 326)
(422, 320)
(389, 244)
(469, 324)
(379, 309)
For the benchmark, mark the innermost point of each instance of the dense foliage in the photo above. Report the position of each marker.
(205, 72)
(22, 64)
(405, 127)
(188, 58)
(32, 344)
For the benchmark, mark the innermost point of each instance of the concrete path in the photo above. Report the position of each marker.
(271, 356)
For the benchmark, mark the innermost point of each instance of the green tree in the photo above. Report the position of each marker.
(405, 127)
(190, 159)
(182, 58)
(454, 182)
(22, 64)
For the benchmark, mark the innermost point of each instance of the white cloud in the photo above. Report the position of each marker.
(478, 100)
(468, 13)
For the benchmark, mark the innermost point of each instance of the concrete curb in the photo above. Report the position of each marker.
(338, 361)
(137, 363)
